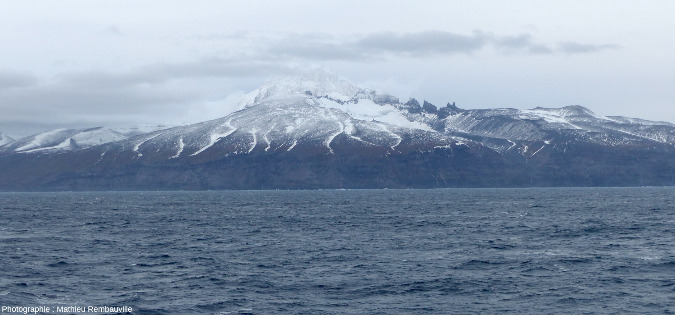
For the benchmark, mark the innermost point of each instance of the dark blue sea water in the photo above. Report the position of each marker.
(570, 250)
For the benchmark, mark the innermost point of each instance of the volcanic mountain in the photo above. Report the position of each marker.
(316, 130)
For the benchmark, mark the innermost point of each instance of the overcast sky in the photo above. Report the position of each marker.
(90, 63)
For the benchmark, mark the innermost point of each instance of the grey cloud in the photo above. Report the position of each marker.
(539, 50)
(16, 80)
(520, 41)
(315, 51)
(311, 46)
(422, 43)
(214, 67)
(578, 48)
(148, 93)
(375, 46)
(58, 100)
(161, 73)
(108, 80)
(445, 43)
(58, 105)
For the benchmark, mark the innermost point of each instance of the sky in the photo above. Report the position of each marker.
(76, 64)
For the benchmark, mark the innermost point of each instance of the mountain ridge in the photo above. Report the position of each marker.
(5, 139)
(317, 130)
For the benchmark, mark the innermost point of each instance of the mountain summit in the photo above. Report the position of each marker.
(309, 82)
(317, 130)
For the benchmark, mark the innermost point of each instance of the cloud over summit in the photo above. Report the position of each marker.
(161, 90)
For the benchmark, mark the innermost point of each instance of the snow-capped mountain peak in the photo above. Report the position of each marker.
(305, 83)
(318, 88)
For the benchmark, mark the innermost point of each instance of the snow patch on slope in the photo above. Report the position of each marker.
(138, 145)
(216, 136)
(97, 136)
(397, 137)
(365, 109)
(295, 142)
(181, 146)
(255, 140)
(139, 129)
(332, 136)
(550, 116)
(5, 139)
(40, 139)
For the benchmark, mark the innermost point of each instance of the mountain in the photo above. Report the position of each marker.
(72, 139)
(316, 130)
(575, 122)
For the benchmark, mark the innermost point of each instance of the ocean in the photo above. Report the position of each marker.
(445, 251)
